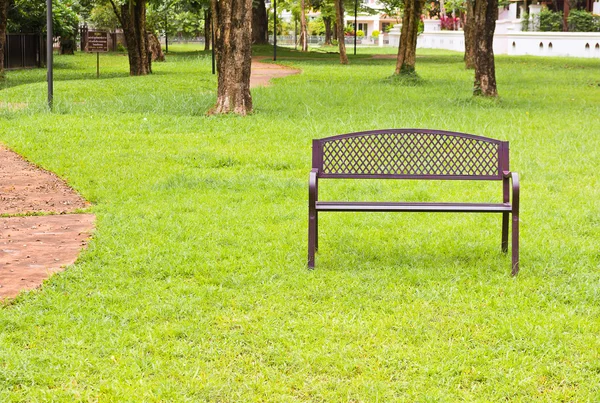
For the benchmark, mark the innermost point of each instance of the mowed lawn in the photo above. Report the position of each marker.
(195, 287)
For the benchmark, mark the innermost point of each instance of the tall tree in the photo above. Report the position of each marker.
(132, 16)
(303, 27)
(339, 27)
(407, 49)
(469, 31)
(328, 30)
(260, 22)
(327, 10)
(233, 42)
(3, 23)
(486, 14)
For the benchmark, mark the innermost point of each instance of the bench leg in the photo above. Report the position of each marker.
(317, 232)
(312, 239)
(505, 232)
(515, 244)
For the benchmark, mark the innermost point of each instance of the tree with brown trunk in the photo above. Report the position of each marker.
(339, 26)
(233, 46)
(155, 49)
(67, 46)
(132, 16)
(328, 30)
(260, 22)
(469, 31)
(407, 50)
(303, 27)
(486, 14)
(3, 23)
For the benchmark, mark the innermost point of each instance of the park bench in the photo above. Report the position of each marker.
(413, 154)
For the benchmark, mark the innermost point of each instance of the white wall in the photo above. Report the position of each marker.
(509, 41)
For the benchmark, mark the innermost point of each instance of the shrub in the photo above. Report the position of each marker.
(375, 34)
(360, 33)
(316, 27)
(581, 21)
(550, 21)
(525, 22)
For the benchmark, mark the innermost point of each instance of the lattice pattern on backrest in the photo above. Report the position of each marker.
(403, 153)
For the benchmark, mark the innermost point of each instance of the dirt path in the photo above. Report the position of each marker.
(262, 73)
(34, 247)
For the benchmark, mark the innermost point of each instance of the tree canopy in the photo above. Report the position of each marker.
(29, 16)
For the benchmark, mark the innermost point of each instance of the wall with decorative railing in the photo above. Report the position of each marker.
(509, 40)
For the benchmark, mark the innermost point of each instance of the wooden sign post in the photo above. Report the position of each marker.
(97, 41)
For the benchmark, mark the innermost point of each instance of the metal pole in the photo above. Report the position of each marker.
(166, 33)
(274, 30)
(212, 24)
(49, 53)
(355, 24)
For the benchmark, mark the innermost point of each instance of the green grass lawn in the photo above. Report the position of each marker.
(195, 287)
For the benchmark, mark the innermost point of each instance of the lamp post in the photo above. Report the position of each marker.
(274, 30)
(355, 24)
(49, 53)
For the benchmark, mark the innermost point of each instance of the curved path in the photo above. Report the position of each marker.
(34, 246)
(262, 73)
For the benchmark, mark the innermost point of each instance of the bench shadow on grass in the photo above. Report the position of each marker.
(474, 259)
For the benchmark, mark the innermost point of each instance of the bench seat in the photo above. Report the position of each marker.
(414, 207)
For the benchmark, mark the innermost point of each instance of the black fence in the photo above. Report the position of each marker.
(24, 50)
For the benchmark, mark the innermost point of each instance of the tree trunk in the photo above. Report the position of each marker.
(233, 47)
(207, 30)
(67, 43)
(486, 13)
(407, 50)
(155, 49)
(303, 27)
(469, 31)
(328, 33)
(339, 26)
(260, 23)
(67, 46)
(442, 9)
(3, 22)
(133, 21)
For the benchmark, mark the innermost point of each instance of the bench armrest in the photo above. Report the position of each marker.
(514, 178)
(313, 188)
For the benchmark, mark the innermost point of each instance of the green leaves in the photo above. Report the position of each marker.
(30, 16)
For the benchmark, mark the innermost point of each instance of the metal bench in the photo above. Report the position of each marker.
(413, 154)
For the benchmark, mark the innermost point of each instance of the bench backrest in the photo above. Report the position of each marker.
(410, 154)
